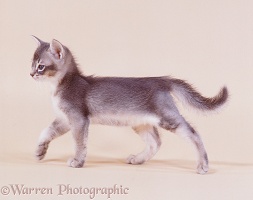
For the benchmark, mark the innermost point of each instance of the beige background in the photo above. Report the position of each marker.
(208, 43)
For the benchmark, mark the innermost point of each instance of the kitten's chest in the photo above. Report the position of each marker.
(58, 107)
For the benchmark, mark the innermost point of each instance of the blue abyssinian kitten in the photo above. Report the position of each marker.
(145, 104)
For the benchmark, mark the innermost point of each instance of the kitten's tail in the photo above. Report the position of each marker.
(187, 94)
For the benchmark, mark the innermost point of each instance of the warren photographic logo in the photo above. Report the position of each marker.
(64, 190)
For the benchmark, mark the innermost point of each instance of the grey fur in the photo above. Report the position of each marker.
(142, 103)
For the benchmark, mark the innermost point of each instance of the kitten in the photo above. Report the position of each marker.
(142, 103)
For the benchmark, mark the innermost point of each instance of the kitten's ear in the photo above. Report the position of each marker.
(37, 40)
(57, 49)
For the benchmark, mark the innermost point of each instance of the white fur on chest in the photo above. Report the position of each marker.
(57, 108)
(125, 119)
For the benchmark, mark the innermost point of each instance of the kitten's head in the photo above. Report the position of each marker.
(49, 61)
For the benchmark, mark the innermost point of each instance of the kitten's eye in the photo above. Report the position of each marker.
(41, 67)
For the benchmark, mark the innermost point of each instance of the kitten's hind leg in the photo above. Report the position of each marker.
(151, 137)
(56, 129)
(187, 131)
(182, 128)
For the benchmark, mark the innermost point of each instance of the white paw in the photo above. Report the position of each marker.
(202, 169)
(72, 162)
(135, 160)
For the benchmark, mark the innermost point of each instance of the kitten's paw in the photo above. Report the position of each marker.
(129, 159)
(41, 151)
(72, 162)
(202, 168)
(135, 160)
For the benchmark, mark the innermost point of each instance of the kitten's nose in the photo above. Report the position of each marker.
(31, 74)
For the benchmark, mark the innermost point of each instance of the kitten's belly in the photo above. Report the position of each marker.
(125, 119)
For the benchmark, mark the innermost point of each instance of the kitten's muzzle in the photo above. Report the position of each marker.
(34, 75)
(33, 72)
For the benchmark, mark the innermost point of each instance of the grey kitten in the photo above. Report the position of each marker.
(142, 103)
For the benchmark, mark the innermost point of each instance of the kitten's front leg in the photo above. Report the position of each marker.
(80, 133)
(56, 129)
